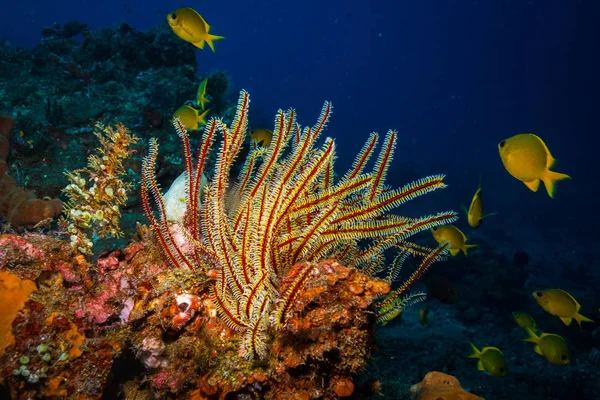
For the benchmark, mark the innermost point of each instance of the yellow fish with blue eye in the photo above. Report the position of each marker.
(457, 239)
(491, 360)
(527, 158)
(549, 345)
(191, 27)
(475, 211)
(190, 117)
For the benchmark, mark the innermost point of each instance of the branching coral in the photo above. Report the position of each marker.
(286, 210)
(96, 192)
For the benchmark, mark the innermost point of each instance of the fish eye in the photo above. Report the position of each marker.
(502, 143)
(501, 370)
(538, 294)
(563, 357)
(173, 16)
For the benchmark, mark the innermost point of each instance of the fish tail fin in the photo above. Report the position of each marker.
(550, 180)
(488, 215)
(531, 336)
(210, 38)
(475, 351)
(580, 318)
(467, 247)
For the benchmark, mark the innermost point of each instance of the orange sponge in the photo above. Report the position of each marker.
(437, 385)
(14, 292)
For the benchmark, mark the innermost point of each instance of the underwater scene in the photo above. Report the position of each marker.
(299, 200)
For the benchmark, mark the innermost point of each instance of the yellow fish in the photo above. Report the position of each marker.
(561, 304)
(190, 118)
(201, 99)
(475, 211)
(262, 136)
(527, 158)
(491, 360)
(551, 346)
(191, 27)
(525, 320)
(455, 236)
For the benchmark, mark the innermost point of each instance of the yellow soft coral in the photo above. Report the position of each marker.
(97, 192)
(14, 292)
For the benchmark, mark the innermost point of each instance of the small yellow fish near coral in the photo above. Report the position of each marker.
(551, 346)
(475, 211)
(191, 27)
(201, 99)
(190, 118)
(525, 320)
(527, 158)
(262, 136)
(455, 236)
(561, 304)
(491, 360)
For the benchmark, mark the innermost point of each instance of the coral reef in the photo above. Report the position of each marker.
(259, 291)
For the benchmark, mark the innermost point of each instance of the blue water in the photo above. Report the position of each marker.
(453, 77)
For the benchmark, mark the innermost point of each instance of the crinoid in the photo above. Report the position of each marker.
(286, 208)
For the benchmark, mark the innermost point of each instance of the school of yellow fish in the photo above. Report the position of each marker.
(524, 156)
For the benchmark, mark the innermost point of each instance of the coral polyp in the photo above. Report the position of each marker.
(261, 236)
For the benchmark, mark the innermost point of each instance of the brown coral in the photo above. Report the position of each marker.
(19, 206)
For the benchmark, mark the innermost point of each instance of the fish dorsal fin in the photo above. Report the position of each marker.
(549, 159)
(206, 26)
(568, 295)
(533, 185)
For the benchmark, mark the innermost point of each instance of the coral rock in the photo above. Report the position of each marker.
(439, 386)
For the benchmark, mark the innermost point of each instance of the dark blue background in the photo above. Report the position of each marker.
(454, 77)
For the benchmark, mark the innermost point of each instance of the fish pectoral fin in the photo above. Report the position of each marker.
(480, 366)
(550, 179)
(533, 185)
(566, 321)
(454, 252)
(538, 350)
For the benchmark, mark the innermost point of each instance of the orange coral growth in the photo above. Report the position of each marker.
(437, 385)
(20, 206)
(72, 337)
(14, 292)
